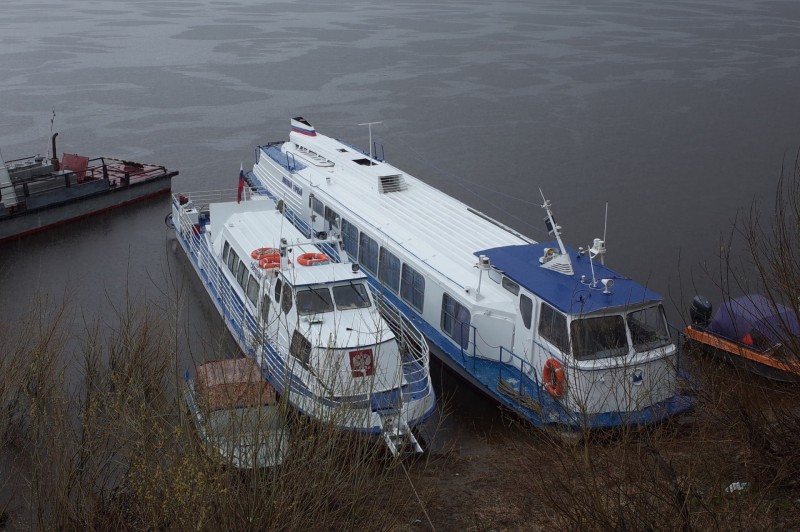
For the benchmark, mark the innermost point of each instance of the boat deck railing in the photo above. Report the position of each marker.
(29, 177)
(511, 375)
(413, 347)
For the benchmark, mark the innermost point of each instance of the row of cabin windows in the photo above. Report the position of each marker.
(238, 268)
(401, 278)
(398, 277)
(599, 337)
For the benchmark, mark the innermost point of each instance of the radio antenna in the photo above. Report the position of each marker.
(370, 124)
(605, 227)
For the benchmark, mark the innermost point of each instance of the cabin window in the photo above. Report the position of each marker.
(648, 329)
(601, 337)
(286, 298)
(510, 285)
(389, 270)
(350, 239)
(241, 274)
(265, 307)
(455, 321)
(553, 327)
(331, 218)
(278, 285)
(412, 287)
(526, 310)
(226, 249)
(300, 348)
(317, 206)
(252, 290)
(233, 262)
(350, 296)
(368, 253)
(314, 301)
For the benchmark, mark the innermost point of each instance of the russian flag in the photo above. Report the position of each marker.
(241, 184)
(301, 125)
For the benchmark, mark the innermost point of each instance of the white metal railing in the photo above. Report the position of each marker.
(413, 347)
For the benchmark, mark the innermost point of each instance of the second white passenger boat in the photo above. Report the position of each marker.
(333, 349)
(546, 330)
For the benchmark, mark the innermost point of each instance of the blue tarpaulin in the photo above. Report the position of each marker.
(766, 322)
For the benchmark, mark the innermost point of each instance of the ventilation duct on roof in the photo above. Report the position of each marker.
(392, 183)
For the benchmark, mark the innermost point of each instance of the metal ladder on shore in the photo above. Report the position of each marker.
(398, 435)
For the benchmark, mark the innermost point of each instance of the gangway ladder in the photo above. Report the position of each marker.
(397, 434)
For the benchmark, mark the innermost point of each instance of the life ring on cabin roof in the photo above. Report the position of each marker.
(554, 377)
(270, 262)
(262, 253)
(312, 259)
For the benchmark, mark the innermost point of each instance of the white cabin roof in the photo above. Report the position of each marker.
(437, 229)
(264, 227)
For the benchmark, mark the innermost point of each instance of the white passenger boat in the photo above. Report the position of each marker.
(546, 330)
(337, 352)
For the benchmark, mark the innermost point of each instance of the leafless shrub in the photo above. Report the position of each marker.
(109, 448)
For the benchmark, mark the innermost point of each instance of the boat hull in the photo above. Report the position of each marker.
(80, 207)
(750, 359)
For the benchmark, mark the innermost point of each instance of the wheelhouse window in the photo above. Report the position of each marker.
(241, 274)
(286, 298)
(412, 287)
(389, 270)
(300, 348)
(526, 310)
(350, 296)
(252, 289)
(233, 262)
(368, 253)
(331, 218)
(510, 285)
(648, 329)
(313, 301)
(317, 206)
(601, 337)
(265, 302)
(553, 327)
(455, 320)
(350, 239)
(226, 249)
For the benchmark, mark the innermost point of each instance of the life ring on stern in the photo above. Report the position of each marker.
(554, 377)
(263, 253)
(312, 259)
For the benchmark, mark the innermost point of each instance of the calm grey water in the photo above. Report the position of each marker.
(675, 113)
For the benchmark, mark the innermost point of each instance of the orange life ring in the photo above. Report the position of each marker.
(269, 262)
(554, 377)
(312, 259)
(262, 253)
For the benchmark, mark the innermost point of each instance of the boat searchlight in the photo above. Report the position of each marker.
(607, 284)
